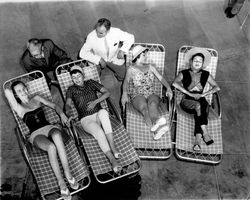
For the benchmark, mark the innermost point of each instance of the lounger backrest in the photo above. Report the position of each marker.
(37, 85)
(65, 81)
(156, 56)
(211, 67)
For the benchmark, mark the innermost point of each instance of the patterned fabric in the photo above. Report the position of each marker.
(81, 96)
(38, 159)
(185, 121)
(139, 132)
(143, 83)
(97, 158)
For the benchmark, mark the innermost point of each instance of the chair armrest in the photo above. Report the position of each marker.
(113, 109)
(216, 103)
(24, 145)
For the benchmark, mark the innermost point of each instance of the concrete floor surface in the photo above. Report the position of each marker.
(172, 23)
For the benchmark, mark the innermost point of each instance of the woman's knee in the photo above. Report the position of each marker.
(153, 104)
(55, 132)
(51, 148)
(102, 113)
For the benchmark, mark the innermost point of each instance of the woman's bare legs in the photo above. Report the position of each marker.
(103, 118)
(58, 140)
(91, 126)
(42, 142)
(140, 104)
(153, 107)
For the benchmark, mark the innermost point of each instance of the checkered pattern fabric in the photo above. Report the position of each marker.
(185, 122)
(40, 165)
(136, 127)
(98, 160)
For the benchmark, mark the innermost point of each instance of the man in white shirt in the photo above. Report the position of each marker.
(106, 46)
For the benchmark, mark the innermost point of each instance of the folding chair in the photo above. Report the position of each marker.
(140, 134)
(185, 122)
(36, 159)
(99, 163)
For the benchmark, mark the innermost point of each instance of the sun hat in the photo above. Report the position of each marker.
(137, 50)
(76, 67)
(196, 50)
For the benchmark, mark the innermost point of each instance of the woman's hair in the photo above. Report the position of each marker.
(134, 60)
(198, 54)
(75, 71)
(13, 85)
(103, 21)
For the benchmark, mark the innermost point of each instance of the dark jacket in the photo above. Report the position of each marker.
(53, 57)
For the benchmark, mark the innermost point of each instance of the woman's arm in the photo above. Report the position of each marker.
(124, 99)
(52, 105)
(215, 87)
(178, 85)
(105, 95)
(12, 101)
(162, 80)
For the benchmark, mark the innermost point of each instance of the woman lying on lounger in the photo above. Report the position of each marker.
(142, 94)
(94, 119)
(191, 82)
(43, 135)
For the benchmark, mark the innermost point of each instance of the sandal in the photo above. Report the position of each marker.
(65, 194)
(73, 183)
(196, 147)
(117, 168)
(117, 155)
(162, 130)
(161, 121)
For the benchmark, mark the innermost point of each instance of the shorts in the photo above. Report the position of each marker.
(42, 131)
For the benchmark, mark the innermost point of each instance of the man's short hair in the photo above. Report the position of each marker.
(34, 41)
(103, 22)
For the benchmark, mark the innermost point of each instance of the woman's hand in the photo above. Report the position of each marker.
(169, 93)
(124, 100)
(65, 120)
(91, 105)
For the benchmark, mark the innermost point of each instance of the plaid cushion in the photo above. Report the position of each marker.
(185, 122)
(98, 160)
(139, 132)
(40, 165)
(42, 170)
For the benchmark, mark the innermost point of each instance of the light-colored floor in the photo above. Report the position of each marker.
(172, 23)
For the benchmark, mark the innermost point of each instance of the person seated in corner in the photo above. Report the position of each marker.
(44, 135)
(142, 95)
(46, 56)
(191, 83)
(94, 119)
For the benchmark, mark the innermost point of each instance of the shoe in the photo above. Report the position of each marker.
(229, 13)
(207, 139)
(197, 146)
(161, 121)
(162, 130)
(117, 168)
(65, 194)
(73, 183)
(118, 155)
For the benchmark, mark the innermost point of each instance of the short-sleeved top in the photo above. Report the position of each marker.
(194, 82)
(143, 83)
(82, 95)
